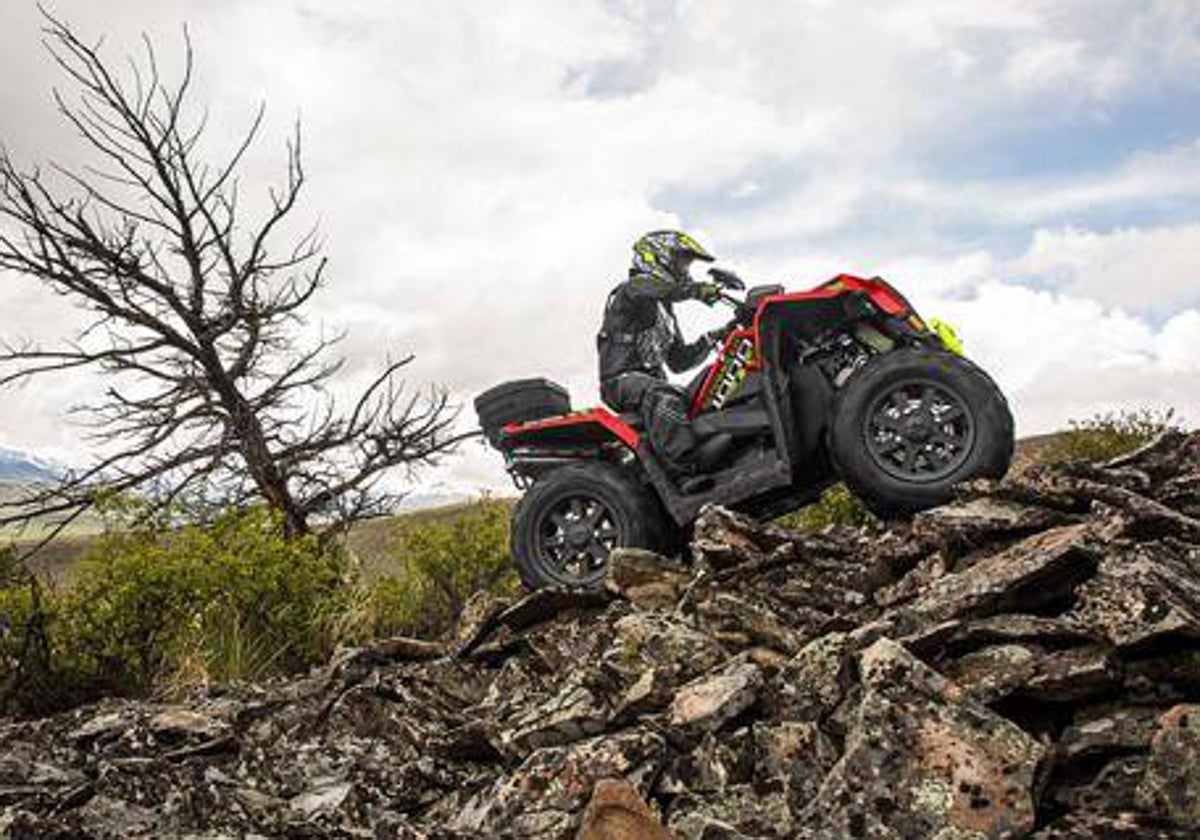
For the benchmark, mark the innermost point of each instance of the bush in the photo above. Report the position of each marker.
(442, 559)
(837, 506)
(1106, 436)
(155, 608)
(26, 673)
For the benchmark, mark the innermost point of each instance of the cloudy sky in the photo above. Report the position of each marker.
(1028, 170)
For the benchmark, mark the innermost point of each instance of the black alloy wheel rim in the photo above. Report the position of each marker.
(575, 537)
(919, 431)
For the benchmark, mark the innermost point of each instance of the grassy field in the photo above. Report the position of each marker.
(371, 541)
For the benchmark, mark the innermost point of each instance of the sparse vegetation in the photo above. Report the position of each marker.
(442, 561)
(1106, 436)
(837, 506)
(152, 609)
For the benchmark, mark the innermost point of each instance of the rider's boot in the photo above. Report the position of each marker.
(711, 451)
(705, 459)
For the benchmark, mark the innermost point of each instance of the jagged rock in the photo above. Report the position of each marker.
(574, 713)
(791, 758)
(617, 812)
(1112, 731)
(758, 693)
(1142, 593)
(328, 797)
(545, 795)
(1183, 494)
(977, 522)
(723, 539)
(1047, 632)
(1100, 785)
(811, 684)
(1069, 676)
(928, 569)
(668, 644)
(993, 672)
(478, 615)
(647, 579)
(174, 724)
(712, 765)
(735, 812)
(1126, 825)
(495, 633)
(922, 761)
(101, 728)
(650, 692)
(1172, 781)
(709, 702)
(738, 624)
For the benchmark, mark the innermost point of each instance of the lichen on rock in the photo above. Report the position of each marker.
(1024, 662)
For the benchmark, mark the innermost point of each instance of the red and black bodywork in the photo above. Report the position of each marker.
(771, 387)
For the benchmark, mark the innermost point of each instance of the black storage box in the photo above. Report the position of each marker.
(521, 400)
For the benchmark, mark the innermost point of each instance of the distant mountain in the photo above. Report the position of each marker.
(22, 467)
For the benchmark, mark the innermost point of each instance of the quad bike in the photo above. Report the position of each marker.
(843, 382)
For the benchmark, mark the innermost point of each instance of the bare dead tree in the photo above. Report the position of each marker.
(195, 317)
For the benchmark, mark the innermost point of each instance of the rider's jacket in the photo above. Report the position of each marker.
(640, 333)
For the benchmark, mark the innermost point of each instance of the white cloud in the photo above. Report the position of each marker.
(480, 169)
(1140, 269)
(1044, 64)
(1059, 357)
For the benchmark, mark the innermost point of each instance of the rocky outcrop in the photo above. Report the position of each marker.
(1024, 662)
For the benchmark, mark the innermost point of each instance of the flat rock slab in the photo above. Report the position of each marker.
(922, 761)
(976, 522)
(1040, 569)
(993, 672)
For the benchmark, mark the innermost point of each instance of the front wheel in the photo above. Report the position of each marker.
(914, 423)
(567, 524)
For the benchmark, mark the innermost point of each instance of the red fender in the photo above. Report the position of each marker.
(590, 424)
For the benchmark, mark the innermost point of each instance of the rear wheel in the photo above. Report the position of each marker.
(914, 423)
(567, 524)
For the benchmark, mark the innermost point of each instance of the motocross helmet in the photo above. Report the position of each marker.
(667, 254)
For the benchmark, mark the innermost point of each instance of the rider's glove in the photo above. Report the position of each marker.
(707, 292)
(717, 336)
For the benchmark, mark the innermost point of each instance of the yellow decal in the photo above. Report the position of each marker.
(947, 334)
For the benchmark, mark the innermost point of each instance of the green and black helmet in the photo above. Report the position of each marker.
(667, 254)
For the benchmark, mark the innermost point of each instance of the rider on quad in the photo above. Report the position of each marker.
(640, 334)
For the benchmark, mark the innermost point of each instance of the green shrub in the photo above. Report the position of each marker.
(234, 597)
(26, 673)
(441, 561)
(1106, 436)
(153, 608)
(837, 506)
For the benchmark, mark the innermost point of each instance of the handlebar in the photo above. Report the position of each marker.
(742, 311)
